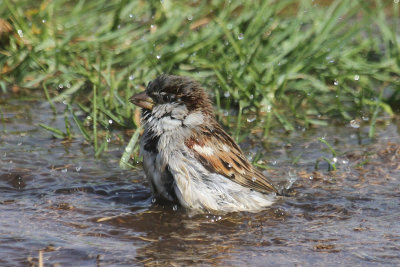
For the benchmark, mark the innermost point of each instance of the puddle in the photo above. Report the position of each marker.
(56, 198)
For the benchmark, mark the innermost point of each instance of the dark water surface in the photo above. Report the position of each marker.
(56, 198)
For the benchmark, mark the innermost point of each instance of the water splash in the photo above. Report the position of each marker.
(355, 124)
(291, 180)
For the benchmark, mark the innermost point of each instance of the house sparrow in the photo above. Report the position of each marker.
(189, 158)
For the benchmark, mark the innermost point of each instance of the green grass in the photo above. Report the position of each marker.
(289, 63)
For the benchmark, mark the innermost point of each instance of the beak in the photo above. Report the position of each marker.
(142, 100)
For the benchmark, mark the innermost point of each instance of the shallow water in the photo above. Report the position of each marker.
(56, 198)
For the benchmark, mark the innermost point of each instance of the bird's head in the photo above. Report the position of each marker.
(171, 98)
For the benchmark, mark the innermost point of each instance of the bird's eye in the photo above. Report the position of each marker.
(165, 97)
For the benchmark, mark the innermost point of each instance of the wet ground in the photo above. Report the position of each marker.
(78, 211)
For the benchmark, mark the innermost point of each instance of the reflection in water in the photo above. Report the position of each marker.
(55, 198)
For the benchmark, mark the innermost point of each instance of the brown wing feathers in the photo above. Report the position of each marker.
(220, 154)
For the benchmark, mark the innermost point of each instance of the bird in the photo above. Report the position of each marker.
(188, 158)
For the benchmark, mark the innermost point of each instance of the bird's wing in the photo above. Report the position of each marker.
(219, 153)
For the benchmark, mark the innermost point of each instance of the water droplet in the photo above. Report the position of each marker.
(158, 56)
(131, 16)
(78, 168)
(335, 82)
(311, 177)
(175, 208)
(330, 59)
(345, 161)
(43, 21)
(20, 33)
(60, 86)
(189, 17)
(110, 121)
(152, 26)
(356, 77)
(131, 77)
(108, 139)
(64, 170)
(254, 179)
(240, 36)
(227, 94)
(334, 159)
(354, 124)
(251, 119)
(229, 165)
(88, 118)
(153, 200)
